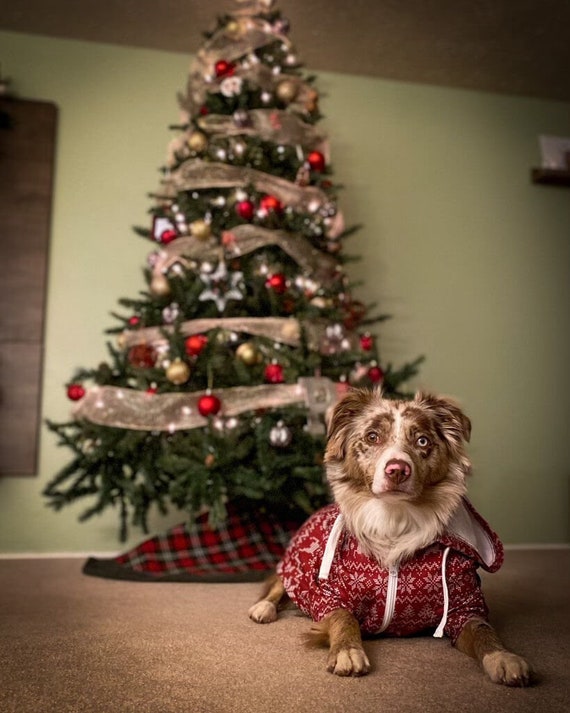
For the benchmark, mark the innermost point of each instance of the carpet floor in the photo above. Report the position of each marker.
(70, 643)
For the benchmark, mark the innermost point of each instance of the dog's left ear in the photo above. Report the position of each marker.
(455, 425)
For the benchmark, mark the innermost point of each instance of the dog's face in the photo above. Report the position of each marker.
(396, 449)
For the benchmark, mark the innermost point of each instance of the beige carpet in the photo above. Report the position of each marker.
(78, 644)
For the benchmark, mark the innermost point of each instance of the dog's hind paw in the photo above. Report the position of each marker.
(263, 612)
(507, 668)
(348, 662)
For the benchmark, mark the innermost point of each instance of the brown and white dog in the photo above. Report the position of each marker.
(397, 552)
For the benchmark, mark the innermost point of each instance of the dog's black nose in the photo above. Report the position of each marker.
(397, 470)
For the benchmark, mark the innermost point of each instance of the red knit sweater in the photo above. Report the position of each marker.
(401, 601)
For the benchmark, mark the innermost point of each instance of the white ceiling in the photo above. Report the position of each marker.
(519, 47)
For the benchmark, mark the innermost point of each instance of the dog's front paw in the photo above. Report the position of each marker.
(263, 612)
(348, 662)
(507, 668)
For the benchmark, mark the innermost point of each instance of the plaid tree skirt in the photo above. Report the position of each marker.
(245, 549)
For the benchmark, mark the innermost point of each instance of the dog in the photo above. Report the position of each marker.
(397, 552)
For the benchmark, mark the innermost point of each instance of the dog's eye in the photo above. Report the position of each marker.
(422, 442)
(372, 437)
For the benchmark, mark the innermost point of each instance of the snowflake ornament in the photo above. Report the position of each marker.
(171, 313)
(222, 286)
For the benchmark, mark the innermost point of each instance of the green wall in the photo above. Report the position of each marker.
(468, 256)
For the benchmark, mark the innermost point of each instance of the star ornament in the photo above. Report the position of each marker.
(221, 286)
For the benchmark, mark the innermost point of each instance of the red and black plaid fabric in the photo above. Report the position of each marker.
(246, 548)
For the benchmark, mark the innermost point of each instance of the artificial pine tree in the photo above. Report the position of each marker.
(222, 369)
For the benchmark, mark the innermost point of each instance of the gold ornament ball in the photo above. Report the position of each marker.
(159, 286)
(197, 141)
(287, 90)
(248, 353)
(225, 336)
(200, 229)
(178, 372)
(232, 29)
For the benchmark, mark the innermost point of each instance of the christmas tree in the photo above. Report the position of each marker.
(222, 369)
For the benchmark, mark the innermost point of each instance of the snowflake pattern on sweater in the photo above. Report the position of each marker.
(357, 582)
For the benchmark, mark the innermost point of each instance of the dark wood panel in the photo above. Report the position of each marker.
(27, 154)
(20, 383)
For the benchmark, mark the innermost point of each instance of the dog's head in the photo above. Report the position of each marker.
(397, 450)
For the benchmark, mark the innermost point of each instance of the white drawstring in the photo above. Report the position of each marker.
(331, 547)
(439, 631)
(328, 556)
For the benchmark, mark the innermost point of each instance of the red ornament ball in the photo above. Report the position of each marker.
(222, 68)
(375, 374)
(277, 283)
(354, 312)
(366, 342)
(195, 343)
(142, 356)
(316, 161)
(75, 392)
(209, 405)
(245, 209)
(167, 236)
(134, 321)
(271, 204)
(274, 373)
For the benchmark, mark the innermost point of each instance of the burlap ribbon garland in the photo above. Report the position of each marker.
(126, 408)
(252, 7)
(283, 330)
(197, 174)
(246, 35)
(275, 125)
(242, 240)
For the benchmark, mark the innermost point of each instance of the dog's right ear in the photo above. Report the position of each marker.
(341, 420)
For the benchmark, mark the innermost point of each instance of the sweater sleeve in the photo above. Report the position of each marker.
(466, 600)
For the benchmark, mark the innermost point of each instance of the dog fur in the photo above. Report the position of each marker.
(397, 471)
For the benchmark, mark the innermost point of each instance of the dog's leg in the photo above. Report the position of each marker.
(273, 597)
(341, 632)
(479, 640)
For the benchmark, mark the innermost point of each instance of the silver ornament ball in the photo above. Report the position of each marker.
(280, 435)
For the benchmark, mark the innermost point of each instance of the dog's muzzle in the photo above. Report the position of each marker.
(392, 475)
(397, 471)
